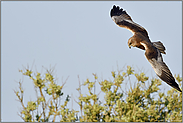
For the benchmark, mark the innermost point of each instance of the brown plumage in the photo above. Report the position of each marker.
(140, 39)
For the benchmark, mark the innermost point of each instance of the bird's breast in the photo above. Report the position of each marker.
(151, 53)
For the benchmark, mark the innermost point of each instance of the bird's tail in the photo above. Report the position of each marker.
(159, 46)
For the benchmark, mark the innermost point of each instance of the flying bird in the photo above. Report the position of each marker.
(140, 39)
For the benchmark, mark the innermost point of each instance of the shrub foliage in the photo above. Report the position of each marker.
(141, 102)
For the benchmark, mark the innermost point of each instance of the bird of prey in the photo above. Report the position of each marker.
(140, 39)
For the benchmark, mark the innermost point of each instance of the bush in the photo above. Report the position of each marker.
(136, 104)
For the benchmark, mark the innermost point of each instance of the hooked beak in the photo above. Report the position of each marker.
(129, 45)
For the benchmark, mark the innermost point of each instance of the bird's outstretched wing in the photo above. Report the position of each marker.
(162, 71)
(122, 19)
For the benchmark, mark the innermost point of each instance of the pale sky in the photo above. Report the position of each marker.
(79, 38)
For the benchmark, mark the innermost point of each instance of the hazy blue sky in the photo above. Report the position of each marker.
(79, 38)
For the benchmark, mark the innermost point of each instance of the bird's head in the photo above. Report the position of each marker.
(131, 42)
